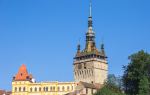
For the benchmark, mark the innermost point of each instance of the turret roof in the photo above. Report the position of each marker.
(22, 74)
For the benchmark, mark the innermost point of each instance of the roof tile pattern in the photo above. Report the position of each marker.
(22, 74)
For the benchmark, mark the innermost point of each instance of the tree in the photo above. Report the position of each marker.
(117, 81)
(112, 79)
(109, 89)
(135, 71)
(144, 86)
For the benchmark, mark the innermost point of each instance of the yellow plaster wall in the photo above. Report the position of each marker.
(29, 85)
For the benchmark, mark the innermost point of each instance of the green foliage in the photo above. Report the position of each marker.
(144, 86)
(109, 89)
(112, 79)
(134, 73)
(117, 81)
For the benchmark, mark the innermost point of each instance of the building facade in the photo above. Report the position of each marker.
(24, 84)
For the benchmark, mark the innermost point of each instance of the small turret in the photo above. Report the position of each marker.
(22, 74)
(78, 50)
(102, 49)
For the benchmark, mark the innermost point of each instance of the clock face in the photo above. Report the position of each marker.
(79, 66)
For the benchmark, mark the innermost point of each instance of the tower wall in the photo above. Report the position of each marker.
(91, 70)
(100, 71)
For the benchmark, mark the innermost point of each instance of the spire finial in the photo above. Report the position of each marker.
(90, 16)
(90, 8)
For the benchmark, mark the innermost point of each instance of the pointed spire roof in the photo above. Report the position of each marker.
(22, 74)
(90, 22)
(90, 46)
(90, 8)
(90, 35)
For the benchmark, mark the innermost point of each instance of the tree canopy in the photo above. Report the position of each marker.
(109, 89)
(137, 74)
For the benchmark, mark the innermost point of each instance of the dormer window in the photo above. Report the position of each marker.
(27, 77)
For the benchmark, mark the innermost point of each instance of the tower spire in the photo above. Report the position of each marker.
(90, 16)
(90, 35)
(90, 8)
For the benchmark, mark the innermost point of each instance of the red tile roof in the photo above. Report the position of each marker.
(5, 92)
(22, 74)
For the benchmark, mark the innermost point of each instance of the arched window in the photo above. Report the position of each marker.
(19, 89)
(58, 88)
(15, 89)
(84, 66)
(30, 89)
(89, 72)
(35, 89)
(92, 91)
(63, 88)
(40, 89)
(68, 88)
(72, 87)
(92, 72)
(86, 90)
(46, 88)
(85, 72)
(82, 75)
(24, 89)
(53, 88)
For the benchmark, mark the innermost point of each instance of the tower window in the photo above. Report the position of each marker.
(92, 72)
(86, 90)
(79, 66)
(92, 91)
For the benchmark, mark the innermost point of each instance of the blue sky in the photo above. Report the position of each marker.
(43, 34)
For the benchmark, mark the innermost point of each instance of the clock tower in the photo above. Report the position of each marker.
(90, 64)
